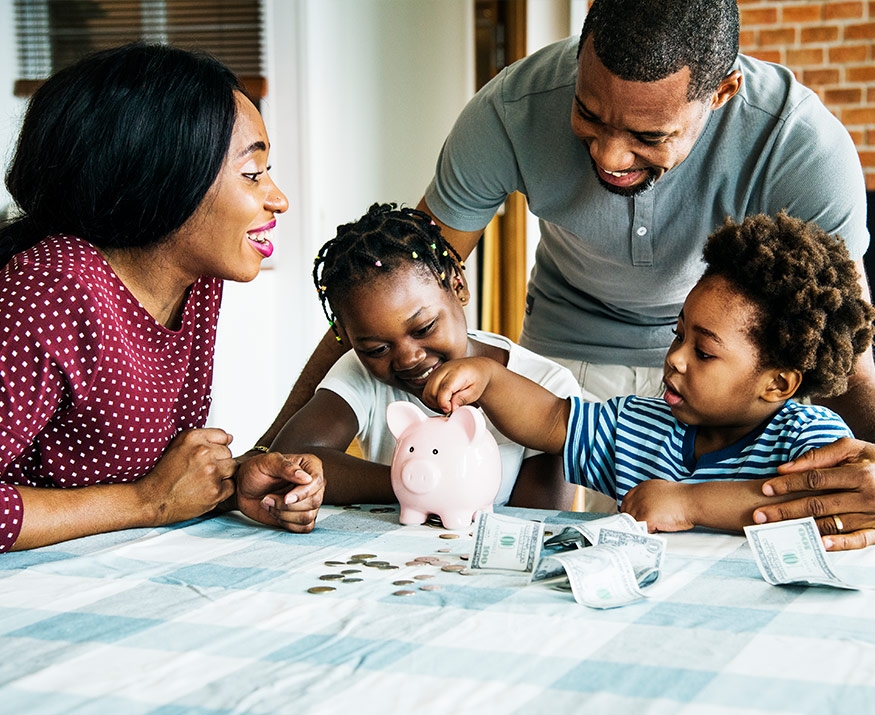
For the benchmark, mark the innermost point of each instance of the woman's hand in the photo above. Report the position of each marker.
(283, 490)
(193, 476)
(843, 474)
(660, 503)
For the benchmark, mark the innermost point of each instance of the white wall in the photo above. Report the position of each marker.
(361, 96)
(548, 21)
(11, 108)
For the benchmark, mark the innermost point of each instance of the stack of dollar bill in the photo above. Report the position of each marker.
(619, 561)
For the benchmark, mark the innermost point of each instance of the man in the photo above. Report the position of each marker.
(632, 145)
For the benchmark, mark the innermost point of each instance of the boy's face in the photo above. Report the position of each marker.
(711, 372)
(405, 325)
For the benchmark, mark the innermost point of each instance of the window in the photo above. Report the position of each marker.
(53, 34)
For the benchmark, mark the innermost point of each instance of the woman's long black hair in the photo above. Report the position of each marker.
(120, 148)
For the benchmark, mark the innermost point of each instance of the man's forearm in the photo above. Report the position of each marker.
(857, 405)
(327, 352)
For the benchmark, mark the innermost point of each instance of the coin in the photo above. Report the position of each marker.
(449, 536)
(404, 592)
(320, 589)
(430, 587)
(352, 507)
(331, 577)
(402, 582)
(453, 567)
(346, 572)
(352, 579)
(464, 557)
(363, 557)
(376, 564)
(444, 551)
(383, 510)
(387, 567)
(335, 563)
(423, 576)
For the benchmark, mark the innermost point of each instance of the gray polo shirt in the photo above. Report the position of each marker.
(611, 272)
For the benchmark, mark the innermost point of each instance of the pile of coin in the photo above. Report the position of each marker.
(353, 569)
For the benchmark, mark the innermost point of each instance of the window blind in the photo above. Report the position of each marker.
(52, 34)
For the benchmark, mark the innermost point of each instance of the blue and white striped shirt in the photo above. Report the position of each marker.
(613, 446)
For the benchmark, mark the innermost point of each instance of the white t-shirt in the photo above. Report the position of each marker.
(368, 398)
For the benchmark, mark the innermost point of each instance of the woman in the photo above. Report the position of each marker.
(141, 180)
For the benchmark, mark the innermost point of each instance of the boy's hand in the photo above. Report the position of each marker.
(662, 504)
(457, 383)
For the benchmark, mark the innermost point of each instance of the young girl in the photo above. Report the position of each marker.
(778, 312)
(394, 290)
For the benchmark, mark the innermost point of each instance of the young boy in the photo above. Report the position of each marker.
(777, 313)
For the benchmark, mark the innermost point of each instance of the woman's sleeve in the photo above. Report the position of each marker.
(11, 512)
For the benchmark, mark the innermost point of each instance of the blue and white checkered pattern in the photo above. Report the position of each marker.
(214, 616)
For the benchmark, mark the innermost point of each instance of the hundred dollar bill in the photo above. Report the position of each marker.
(791, 552)
(644, 551)
(600, 577)
(505, 544)
(572, 534)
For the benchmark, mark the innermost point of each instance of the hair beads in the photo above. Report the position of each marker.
(383, 240)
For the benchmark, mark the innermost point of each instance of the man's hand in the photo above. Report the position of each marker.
(842, 475)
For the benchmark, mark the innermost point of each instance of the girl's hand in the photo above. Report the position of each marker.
(283, 490)
(457, 383)
(662, 504)
(192, 477)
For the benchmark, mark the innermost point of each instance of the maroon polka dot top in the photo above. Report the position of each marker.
(92, 387)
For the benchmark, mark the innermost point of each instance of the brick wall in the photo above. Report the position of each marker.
(830, 46)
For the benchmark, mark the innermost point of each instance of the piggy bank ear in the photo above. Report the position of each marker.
(400, 415)
(471, 421)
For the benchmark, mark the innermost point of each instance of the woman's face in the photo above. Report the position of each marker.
(405, 325)
(228, 236)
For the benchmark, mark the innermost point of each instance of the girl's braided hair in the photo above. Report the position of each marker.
(385, 239)
(812, 315)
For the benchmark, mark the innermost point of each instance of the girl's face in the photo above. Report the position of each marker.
(229, 234)
(405, 325)
(711, 371)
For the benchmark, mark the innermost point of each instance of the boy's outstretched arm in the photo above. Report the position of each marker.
(677, 506)
(521, 409)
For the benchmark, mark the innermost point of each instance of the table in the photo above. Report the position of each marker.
(215, 616)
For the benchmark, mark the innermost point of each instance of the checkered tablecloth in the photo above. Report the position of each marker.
(215, 616)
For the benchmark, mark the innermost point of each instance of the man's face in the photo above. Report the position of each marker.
(635, 131)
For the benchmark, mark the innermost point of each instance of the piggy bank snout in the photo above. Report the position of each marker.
(420, 476)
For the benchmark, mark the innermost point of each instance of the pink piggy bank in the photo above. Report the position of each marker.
(449, 466)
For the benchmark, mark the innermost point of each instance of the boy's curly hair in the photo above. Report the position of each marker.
(812, 315)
